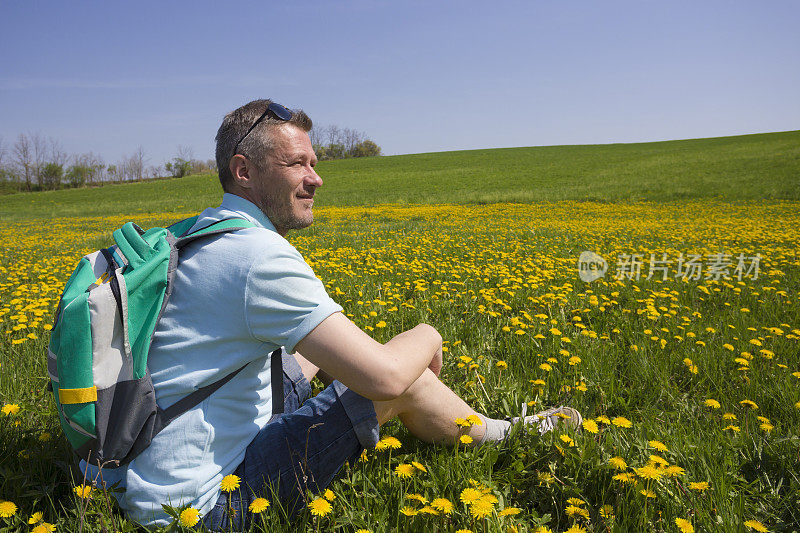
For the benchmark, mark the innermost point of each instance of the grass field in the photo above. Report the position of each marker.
(747, 167)
(690, 387)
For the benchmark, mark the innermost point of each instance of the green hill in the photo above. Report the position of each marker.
(745, 167)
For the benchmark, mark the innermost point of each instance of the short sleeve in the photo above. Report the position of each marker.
(284, 300)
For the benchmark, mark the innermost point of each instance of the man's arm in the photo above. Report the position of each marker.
(374, 370)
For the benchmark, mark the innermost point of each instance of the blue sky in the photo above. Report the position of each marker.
(108, 77)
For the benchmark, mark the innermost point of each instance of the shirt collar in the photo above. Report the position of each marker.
(246, 208)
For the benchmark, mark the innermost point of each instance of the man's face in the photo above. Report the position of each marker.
(284, 190)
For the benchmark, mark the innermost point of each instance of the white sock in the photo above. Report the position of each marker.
(496, 430)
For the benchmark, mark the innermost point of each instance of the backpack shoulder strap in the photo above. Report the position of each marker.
(222, 226)
(181, 406)
(184, 404)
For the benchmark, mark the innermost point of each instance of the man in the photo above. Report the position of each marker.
(239, 296)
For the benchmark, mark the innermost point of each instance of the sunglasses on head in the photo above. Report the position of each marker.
(276, 111)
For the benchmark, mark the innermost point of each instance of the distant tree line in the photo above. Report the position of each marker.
(34, 162)
(332, 142)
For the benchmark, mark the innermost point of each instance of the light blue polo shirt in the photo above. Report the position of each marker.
(237, 297)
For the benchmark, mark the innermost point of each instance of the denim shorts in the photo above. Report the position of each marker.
(300, 450)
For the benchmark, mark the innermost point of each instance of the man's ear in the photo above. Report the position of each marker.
(241, 169)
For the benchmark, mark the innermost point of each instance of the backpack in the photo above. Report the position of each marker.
(104, 324)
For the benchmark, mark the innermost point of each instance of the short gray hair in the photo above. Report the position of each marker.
(258, 143)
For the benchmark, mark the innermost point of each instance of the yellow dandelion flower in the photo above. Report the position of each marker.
(329, 495)
(363, 531)
(83, 491)
(464, 531)
(10, 409)
(419, 466)
(729, 416)
(442, 504)
(749, 403)
(189, 517)
(624, 477)
(404, 470)
(621, 422)
(229, 483)
(7, 509)
(542, 529)
(259, 505)
(391, 442)
(380, 324)
(566, 439)
(575, 501)
(649, 472)
(462, 422)
(603, 419)
(658, 460)
(735, 429)
(481, 509)
(797, 405)
(419, 497)
(712, 403)
(489, 497)
(502, 365)
(607, 511)
(465, 439)
(428, 510)
(475, 420)
(618, 463)
(470, 495)
(36, 517)
(574, 360)
(408, 511)
(647, 493)
(699, 485)
(546, 367)
(590, 425)
(684, 525)
(320, 507)
(766, 426)
(674, 471)
(575, 528)
(755, 525)
(44, 527)
(658, 445)
(573, 510)
(510, 511)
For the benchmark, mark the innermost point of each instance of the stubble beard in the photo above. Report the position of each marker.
(281, 214)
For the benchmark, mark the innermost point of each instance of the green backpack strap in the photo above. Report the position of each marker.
(221, 226)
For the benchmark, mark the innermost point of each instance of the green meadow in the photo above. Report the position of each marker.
(688, 380)
(747, 167)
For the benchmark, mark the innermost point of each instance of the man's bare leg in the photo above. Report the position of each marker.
(428, 409)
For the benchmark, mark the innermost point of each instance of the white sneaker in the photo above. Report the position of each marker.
(546, 421)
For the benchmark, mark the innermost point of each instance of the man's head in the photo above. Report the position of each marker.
(271, 164)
